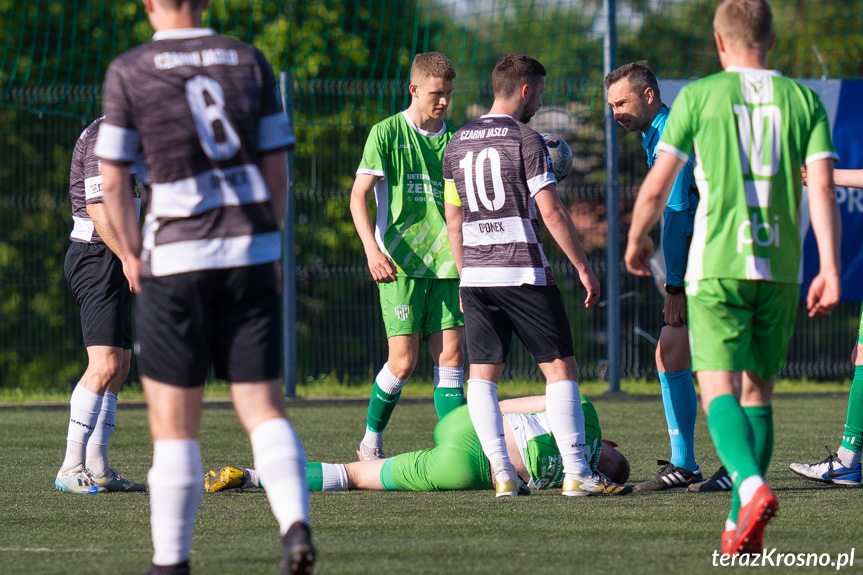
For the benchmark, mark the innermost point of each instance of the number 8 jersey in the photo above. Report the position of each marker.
(198, 109)
(750, 130)
(492, 168)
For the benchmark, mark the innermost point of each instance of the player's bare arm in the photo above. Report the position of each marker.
(559, 224)
(123, 217)
(652, 197)
(99, 216)
(530, 404)
(824, 291)
(454, 221)
(382, 268)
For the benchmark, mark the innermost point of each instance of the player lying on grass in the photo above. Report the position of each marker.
(457, 461)
(843, 467)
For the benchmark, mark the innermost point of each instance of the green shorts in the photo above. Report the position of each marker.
(420, 305)
(456, 462)
(741, 325)
(860, 329)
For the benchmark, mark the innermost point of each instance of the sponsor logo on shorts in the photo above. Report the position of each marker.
(402, 311)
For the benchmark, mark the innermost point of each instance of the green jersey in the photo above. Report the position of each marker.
(410, 226)
(751, 130)
(539, 449)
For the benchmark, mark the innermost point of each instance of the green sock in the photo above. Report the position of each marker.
(381, 406)
(314, 476)
(852, 439)
(761, 419)
(733, 437)
(448, 398)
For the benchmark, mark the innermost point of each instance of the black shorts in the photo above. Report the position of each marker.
(95, 276)
(535, 313)
(229, 317)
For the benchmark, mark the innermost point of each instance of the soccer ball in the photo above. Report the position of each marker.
(559, 155)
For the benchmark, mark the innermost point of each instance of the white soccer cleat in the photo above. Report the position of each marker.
(77, 480)
(830, 470)
(596, 484)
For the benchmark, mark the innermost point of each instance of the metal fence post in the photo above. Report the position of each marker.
(612, 256)
(289, 263)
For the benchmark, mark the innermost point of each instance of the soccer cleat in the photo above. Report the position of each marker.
(728, 538)
(830, 470)
(671, 478)
(178, 569)
(226, 478)
(299, 554)
(366, 453)
(596, 484)
(77, 480)
(114, 481)
(719, 481)
(511, 487)
(751, 521)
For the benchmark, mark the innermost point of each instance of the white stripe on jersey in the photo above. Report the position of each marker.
(211, 189)
(663, 147)
(537, 183)
(494, 277)
(821, 156)
(181, 257)
(274, 132)
(695, 260)
(493, 232)
(93, 187)
(83, 229)
(118, 144)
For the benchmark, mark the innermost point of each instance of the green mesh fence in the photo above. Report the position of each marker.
(350, 61)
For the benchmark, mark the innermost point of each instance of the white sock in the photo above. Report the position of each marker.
(84, 409)
(388, 383)
(281, 463)
(97, 445)
(254, 479)
(748, 488)
(335, 477)
(563, 409)
(448, 377)
(488, 422)
(847, 457)
(175, 494)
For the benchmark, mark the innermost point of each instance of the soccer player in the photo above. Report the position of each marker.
(203, 114)
(633, 94)
(408, 250)
(457, 462)
(95, 273)
(750, 129)
(497, 173)
(843, 467)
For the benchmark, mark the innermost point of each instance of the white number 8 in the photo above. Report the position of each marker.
(206, 116)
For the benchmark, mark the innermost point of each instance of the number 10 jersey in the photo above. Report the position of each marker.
(496, 165)
(198, 109)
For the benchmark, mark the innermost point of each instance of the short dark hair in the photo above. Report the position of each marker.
(639, 74)
(512, 72)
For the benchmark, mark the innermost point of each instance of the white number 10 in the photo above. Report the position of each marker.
(466, 163)
(752, 144)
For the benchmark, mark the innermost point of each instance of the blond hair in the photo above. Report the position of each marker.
(745, 24)
(431, 65)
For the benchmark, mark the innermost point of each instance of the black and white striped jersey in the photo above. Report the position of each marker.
(199, 109)
(85, 185)
(497, 165)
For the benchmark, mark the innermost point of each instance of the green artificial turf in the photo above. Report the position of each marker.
(43, 531)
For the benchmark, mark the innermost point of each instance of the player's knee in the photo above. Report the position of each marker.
(402, 367)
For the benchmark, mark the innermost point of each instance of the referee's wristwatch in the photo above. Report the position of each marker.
(673, 290)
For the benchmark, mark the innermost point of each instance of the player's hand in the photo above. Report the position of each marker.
(382, 267)
(132, 271)
(675, 309)
(803, 175)
(824, 292)
(637, 254)
(591, 284)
